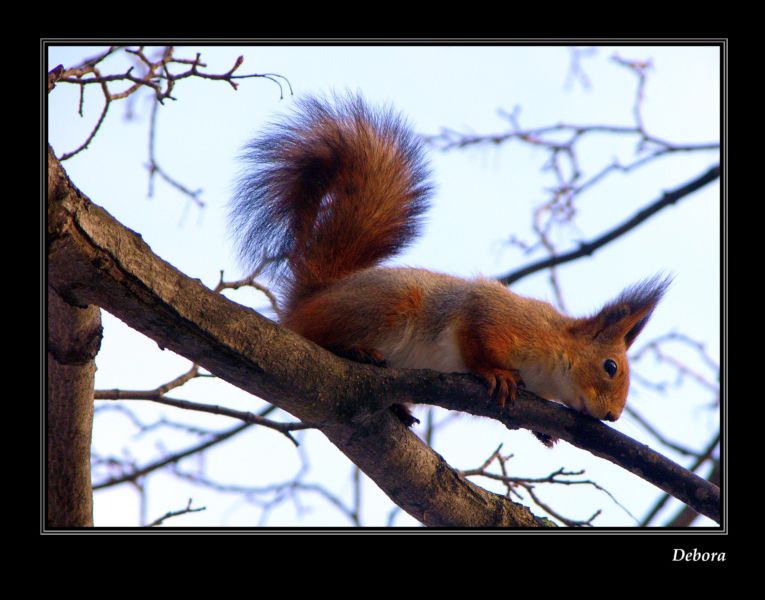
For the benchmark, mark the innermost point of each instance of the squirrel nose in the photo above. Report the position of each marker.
(610, 417)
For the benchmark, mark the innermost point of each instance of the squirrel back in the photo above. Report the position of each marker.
(334, 189)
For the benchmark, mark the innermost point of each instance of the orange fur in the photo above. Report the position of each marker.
(341, 187)
(407, 305)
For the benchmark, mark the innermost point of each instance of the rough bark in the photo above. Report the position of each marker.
(686, 516)
(74, 336)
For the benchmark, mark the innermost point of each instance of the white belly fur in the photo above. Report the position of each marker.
(408, 351)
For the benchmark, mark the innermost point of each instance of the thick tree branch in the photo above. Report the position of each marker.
(95, 260)
(536, 414)
(702, 458)
(74, 337)
(686, 516)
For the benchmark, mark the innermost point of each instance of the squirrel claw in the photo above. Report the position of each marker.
(503, 384)
(404, 414)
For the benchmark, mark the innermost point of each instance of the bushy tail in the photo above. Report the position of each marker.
(333, 189)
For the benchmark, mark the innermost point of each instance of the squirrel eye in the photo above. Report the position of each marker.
(610, 366)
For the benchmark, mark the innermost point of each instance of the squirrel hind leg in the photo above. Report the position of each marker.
(404, 414)
(360, 354)
(373, 357)
(547, 440)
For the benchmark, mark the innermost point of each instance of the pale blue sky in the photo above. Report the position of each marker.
(483, 195)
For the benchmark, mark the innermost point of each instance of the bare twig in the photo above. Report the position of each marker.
(246, 417)
(192, 373)
(139, 472)
(250, 281)
(575, 72)
(561, 142)
(147, 428)
(271, 495)
(655, 348)
(54, 75)
(86, 143)
(559, 476)
(661, 438)
(158, 395)
(449, 139)
(175, 513)
(639, 68)
(157, 75)
(588, 248)
(155, 169)
(555, 514)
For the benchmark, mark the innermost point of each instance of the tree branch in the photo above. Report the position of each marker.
(588, 248)
(74, 337)
(137, 473)
(175, 513)
(245, 416)
(702, 458)
(96, 260)
(155, 72)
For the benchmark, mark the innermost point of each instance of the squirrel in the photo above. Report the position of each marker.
(337, 187)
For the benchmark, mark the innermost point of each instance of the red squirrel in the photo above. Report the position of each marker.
(338, 187)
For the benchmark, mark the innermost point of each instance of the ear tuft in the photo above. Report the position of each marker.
(642, 299)
(626, 316)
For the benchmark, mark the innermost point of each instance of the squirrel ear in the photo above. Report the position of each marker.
(625, 317)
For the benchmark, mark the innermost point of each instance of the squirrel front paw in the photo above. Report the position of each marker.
(503, 384)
